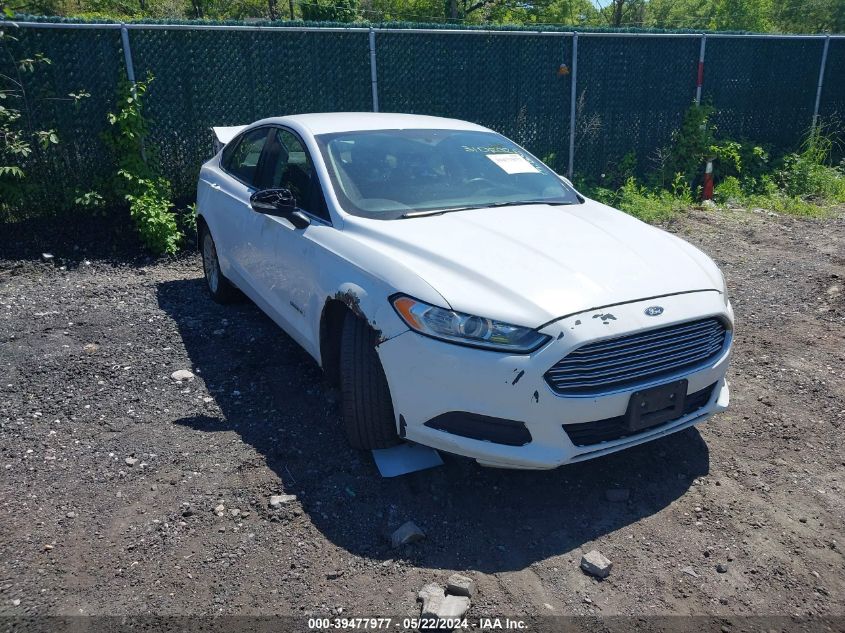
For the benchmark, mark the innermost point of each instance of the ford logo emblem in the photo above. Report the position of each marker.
(653, 311)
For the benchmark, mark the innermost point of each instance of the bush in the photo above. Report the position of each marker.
(727, 190)
(151, 210)
(647, 204)
(137, 179)
(808, 174)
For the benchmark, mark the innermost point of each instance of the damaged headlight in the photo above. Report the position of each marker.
(466, 329)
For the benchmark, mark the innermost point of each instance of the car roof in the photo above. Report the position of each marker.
(329, 122)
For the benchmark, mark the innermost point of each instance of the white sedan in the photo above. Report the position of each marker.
(461, 294)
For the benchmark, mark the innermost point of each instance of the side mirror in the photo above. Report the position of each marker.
(280, 203)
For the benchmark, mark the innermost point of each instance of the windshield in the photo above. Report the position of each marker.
(401, 173)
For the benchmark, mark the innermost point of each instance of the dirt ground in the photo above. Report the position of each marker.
(110, 471)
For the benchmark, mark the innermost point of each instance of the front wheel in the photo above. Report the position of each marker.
(368, 417)
(220, 288)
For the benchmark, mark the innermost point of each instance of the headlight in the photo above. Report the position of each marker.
(466, 329)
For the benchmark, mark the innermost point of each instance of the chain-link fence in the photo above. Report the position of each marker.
(582, 101)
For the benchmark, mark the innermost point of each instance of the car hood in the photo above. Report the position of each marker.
(530, 264)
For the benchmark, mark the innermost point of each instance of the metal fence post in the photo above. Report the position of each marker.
(127, 55)
(821, 82)
(130, 75)
(373, 70)
(573, 98)
(699, 82)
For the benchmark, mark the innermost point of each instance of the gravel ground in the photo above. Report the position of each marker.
(124, 491)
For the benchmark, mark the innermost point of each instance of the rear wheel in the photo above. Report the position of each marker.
(368, 417)
(220, 288)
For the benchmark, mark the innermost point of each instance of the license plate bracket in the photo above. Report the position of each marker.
(650, 407)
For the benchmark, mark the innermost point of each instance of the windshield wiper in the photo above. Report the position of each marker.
(513, 203)
(519, 203)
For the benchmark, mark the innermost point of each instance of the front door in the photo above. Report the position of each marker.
(285, 264)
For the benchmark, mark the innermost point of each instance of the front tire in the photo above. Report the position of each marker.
(368, 417)
(220, 288)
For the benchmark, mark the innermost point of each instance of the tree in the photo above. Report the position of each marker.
(329, 10)
(743, 15)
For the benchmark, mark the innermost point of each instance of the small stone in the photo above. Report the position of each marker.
(617, 495)
(131, 461)
(709, 205)
(452, 608)
(803, 519)
(436, 604)
(91, 348)
(460, 585)
(722, 568)
(220, 509)
(16, 602)
(407, 533)
(235, 512)
(182, 374)
(47, 257)
(596, 564)
(689, 571)
(48, 547)
(277, 501)
(71, 515)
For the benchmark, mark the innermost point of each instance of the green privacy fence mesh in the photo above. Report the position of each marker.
(631, 91)
(763, 90)
(210, 78)
(508, 83)
(632, 94)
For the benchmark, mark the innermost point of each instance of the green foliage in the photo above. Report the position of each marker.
(620, 172)
(808, 174)
(647, 204)
(745, 162)
(137, 180)
(755, 15)
(151, 210)
(728, 190)
(91, 200)
(691, 145)
(126, 136)
(329, 10)
(22, 141)
(743, 15)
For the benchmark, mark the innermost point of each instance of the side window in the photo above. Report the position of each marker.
(288, 166)
(242, 161)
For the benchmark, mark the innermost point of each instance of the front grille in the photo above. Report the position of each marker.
(636, 359)
(588, 433)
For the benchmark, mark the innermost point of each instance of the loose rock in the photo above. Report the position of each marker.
(436, 604)
(689, 571)
(460, 585)
(596, 564)
(722, 568)
(131, 461)
(407, 533)
(277, 501)
(182, 374)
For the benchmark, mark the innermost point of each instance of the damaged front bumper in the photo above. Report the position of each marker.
(498, 408)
